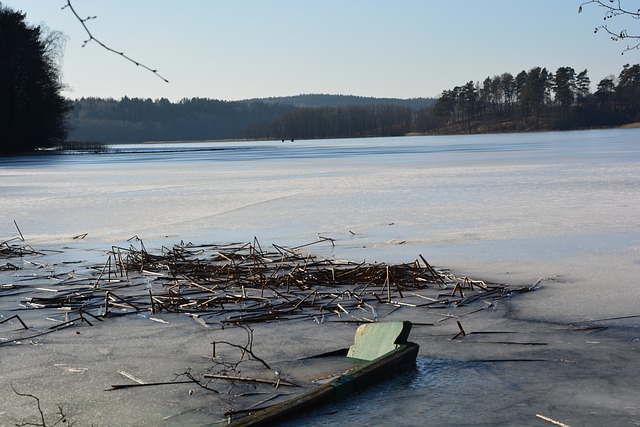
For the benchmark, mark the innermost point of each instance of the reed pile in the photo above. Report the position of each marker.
(241, 284)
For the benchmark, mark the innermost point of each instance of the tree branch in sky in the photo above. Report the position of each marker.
(613, 9)
(83, 21)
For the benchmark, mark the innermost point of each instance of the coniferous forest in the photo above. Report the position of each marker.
(534, 100)
(539, 100)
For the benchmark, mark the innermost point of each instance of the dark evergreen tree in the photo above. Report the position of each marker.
(583, 86)
(469, 101)
(507, 85)
(564, 86)
(486, 97)
(604, 94)
(445, 106)
(628, 91)
(536, 92)
(33, 113)
(520, 84)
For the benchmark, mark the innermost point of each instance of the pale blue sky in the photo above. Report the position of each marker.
(238, 49)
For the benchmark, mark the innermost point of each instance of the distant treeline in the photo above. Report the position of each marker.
(322, 100)
(337, 122)
(303, 116)
(533, 100)
(139, 120)
(538, 100)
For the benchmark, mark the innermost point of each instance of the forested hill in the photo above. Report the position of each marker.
(323, 100)
(322, 116)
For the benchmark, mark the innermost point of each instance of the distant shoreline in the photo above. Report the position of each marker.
(182, 141)
(634, 125)
(97, 146)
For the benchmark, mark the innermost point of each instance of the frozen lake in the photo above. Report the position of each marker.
(516, 208)
(525, 205)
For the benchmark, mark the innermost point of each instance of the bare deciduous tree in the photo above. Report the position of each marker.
(615, 9)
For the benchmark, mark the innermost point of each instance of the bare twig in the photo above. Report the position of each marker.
(251, 380)
(121, 386)
(552, 421)
(194, 380)
(18, 228)
(83, 22)
(613, 9)
(15, 316)
(42, 420)
(245, 349)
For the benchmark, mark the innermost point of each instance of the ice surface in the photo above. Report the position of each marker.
(560, 207)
